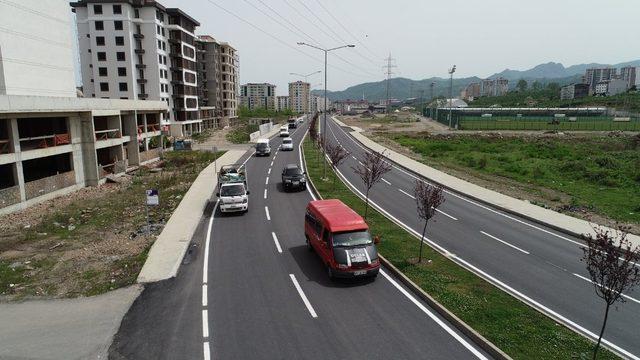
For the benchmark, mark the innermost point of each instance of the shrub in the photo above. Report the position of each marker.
(606, 162)
(482, 163)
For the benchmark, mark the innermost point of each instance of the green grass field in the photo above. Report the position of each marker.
(517, 329)
(601, 174)
(545, 123)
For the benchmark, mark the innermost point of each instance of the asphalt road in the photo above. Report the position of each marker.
(250, 289)
(534, 263)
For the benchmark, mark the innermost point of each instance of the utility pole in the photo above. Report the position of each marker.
(388, 72)
(431, 88)
(451, 71)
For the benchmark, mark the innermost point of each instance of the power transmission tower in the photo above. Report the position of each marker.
(390, 65)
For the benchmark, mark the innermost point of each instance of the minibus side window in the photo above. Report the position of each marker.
(325, 236)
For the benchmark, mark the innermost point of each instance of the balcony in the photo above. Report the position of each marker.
(141, 81)
(44, 141)
(107, 134)
(141, 66)
(143, 96)
(138, 36)
(139, 51)
(5, 146)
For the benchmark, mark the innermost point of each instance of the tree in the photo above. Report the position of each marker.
(428, 199)
(536, 85)
(337, 154)
(610, 259)
(371, 171)
(522, 85)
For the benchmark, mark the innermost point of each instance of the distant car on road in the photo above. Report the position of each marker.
(263, 147)
(287, 144)
(293, 177)
(341, 238)
(284, 132)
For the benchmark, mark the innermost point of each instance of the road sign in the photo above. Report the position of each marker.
(152, 197)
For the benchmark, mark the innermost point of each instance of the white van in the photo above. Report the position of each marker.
(263, 148)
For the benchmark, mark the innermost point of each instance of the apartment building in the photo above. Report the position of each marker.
(610, 87)
(501, 87)
(258, 95)
(282, 103)
(631, 74)
(299, 92)
(488, 87)
(574, 91)
(472, 91)
(593, 76)
(51, 145)
(132, 49)
(229, 69)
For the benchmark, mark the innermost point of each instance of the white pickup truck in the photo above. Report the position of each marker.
(233, 192)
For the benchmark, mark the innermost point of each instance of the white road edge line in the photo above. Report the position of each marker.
(385, 181)
(205, 324)
(589, 280)
(204, 296)
(303, 296)
(275, 240)
(205, 265)
(266, 211)
(433, 317)
(504, 242)
(265, 193)
(406, 193)
(313, 196)
(493, 280)
(206, 351)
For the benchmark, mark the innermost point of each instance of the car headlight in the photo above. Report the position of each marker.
(244, 201)
(287, 180)
(343, 266)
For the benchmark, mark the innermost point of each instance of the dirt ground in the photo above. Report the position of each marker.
(92, 240)
(399, 122)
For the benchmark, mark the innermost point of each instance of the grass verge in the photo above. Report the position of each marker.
(517, 329)
(93, 240)
(240, 134)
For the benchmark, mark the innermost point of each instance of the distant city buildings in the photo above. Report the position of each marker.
(282, 103)
(574, 91)
(258, 95)
(631, 74)
(132, 49)
(299, 98)
(611, 87)
(472, 91)
(594, 76)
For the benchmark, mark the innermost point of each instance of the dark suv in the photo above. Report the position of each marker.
(293, 177)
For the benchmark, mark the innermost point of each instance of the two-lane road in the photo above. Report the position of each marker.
(534, 263)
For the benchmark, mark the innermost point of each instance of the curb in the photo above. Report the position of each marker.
(478, 339)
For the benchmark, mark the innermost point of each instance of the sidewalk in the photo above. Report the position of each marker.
(80, 328)
(550, 218)
(169, 248)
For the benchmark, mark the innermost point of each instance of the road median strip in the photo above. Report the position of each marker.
(500, 320)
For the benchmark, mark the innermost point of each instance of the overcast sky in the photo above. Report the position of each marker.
(424, 37)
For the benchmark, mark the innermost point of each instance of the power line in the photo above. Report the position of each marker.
(277, 39)
(337, 36)
(346, 30)
(297, 28)
(362, 31)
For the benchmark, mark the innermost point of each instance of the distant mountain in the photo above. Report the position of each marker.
(402, 88)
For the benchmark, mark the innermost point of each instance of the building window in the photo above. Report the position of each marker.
(104, 86)
(161, 77)
(123, 87)
(117, 9)
(162, 31)
(136, 13)
(120, 40)
(100, 40)
(159, 44)
(118, 25)
(164, 46)
(122, 71)
(158, 29)
(160, 59)
(102, 56)
(99, 25)
(102, 71)
(97, 9)
(120, 56)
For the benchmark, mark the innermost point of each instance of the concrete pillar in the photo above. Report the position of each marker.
(88, 145)
(130, 123)
(19, 172)
(74, 127)
(146, 139)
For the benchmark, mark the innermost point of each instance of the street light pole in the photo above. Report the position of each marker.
(324, 120)
(451, 71)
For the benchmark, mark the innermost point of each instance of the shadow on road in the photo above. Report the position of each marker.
(314, 270)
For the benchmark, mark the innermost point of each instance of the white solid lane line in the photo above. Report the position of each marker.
(433, 317)
(204, 295)
(406, 193)
(385, 181)
(265, 193)
(303, 296)
(207, 351)
(266, 211)
(447, 215)
(625, 296)
(275, 240)
(266, 181)
(205, 265)
(205, 324)
(504, 242)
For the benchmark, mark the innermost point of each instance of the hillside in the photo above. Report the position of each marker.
(402, 88)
